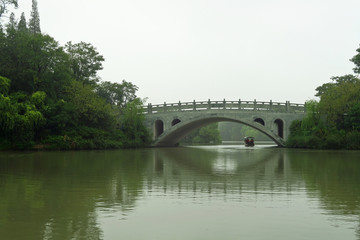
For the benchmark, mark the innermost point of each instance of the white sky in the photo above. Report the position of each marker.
(185, 50)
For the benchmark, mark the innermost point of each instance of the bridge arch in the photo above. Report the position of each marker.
(172, 136)
(169, 122)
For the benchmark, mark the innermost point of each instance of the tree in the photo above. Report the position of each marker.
(323, 88)
(205, 135)
(356, 61)
(117, 94)
(7, 111)
(208, 134)
(339, 105)
(132, 124)
(247, 131)
(85, 62)
(34, 62)
(34, 23)
(4, 5)
(49, 94)
(12, 24)
(19, 116)
(337, 100)
(22, 23)
(89, 109)
(352, 118)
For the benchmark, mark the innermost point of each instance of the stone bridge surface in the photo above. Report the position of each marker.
(169, 123)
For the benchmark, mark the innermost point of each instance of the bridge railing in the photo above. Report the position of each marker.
(226, 105)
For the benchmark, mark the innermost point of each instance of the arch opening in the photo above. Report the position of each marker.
(233, 131)
(280, 127)
(179, 131)
(260, 120)
(175, 121)
(159, 128)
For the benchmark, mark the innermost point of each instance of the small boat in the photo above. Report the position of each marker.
(249, 141)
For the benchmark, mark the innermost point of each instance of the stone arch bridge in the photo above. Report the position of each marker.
(169, 122)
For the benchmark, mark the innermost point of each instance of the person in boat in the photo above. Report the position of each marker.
(249, 141)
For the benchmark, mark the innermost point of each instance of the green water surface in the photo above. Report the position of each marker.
(221, 192)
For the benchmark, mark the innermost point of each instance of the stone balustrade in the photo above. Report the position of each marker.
(226, 105)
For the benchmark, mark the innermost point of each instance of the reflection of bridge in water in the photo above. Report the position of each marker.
(233, 171)
(171, 122)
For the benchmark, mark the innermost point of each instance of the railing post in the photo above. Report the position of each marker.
(179, 104)
(194, 107)
(271, 105)
(164, 106)
(239, 104)
(209, 105)
(254, 104)
(224, 104)
(287, 106)
(149, 108)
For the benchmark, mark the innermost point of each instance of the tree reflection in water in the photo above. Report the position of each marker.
(60, 195)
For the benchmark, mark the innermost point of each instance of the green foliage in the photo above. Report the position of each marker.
(295, 128)
(22, 23)
(34, 62)
(53, 100)
(353, 139)
(340, 107)
(12, 24)
(37, 98)
(95, 139)
(338, 100)
(4, 85)
(231, 131)
(85, 62)
(7, 112)
(132, 125)
(59, 117)
(356, 61)
(312, 120)
(4, 5)
(250, 132)
(208, 134)
(19, 120)
(117, 94)
(352, 118)
(89, 108)
(34, 23)
(205, 135)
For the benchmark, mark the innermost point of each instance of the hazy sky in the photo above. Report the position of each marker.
(212, 49)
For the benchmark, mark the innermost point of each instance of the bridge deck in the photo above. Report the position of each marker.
(226, 105)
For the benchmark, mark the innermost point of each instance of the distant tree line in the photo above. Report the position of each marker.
(334, 121)
(51, 96)
(231, 131)
(205, 135)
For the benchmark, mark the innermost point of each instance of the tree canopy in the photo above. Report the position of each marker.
(334, 121)
(356, 61)
(4, 5)
(34, 23)
(51, 95)
(85, 62)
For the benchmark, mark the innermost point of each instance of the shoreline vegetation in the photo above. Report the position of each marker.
(51, 98)
(333, 122)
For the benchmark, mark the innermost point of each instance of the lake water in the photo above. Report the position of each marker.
(219, 192)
